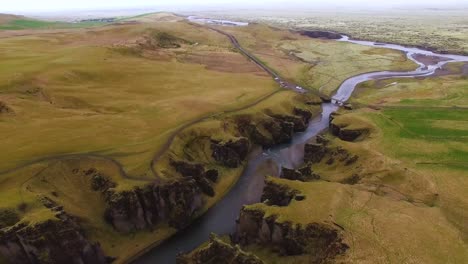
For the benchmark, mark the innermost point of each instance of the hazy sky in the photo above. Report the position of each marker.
(19, 6)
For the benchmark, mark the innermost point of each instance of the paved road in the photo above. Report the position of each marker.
(283, 83)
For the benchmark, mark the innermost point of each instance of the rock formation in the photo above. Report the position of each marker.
(231, 153)
(344, 132)
(175, 202)
(54, 241)
(274, 129)
(320, 240)
(277, 194)
(197, 172)
(304, 173)
(315, 152)
(217, 252)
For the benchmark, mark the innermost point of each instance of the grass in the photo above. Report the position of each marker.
(77, 94)
(80, 92)
(409, 204)
(409, 191)
(21, 24)
(106, 99)
(443, 91)
(443, 30)
(312, 63)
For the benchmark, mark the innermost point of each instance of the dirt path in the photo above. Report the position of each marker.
(159, 154)
(171, 138)
(169, 142)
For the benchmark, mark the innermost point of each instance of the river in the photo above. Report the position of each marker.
(221, 218)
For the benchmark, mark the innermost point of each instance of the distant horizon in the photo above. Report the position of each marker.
(56, 7)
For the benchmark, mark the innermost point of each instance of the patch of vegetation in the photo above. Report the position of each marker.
(20, 24)
(104, 113)
(443, 30)
(417, 151)
(442, 91)
(315, 63)
(167, 41)
(109, 105)
(430, 123)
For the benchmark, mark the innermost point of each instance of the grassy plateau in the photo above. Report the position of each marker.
(315, 63)
(127, 98)
(407, 201)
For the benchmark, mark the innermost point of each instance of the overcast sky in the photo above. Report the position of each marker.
(19, 6)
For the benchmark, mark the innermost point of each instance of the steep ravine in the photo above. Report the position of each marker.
(178, 202)
(221, 219)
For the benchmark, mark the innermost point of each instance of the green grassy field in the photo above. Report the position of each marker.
(314, 63)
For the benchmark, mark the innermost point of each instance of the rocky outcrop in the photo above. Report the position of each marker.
(175, 202)
(315, 152)
(217, 251)
(305, 173)
(320, 139)
(212, 175)
(299, 124)
(274, 129)
(100, 182)
(197, 172)
(281, 131)
(319, 240)
(320, 34)
(231, 153)
(300, 119)
(345, 133)
(339, 154)
(278, 194)
(54, 241)
(306, 115)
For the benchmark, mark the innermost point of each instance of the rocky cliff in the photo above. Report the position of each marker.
(54, 241)
(218, 251)
(278, 194)
(177, 202)
(174, 202)
(320, 240)
(344, 131)
(304, 173)
(273, 129)
(231, 153)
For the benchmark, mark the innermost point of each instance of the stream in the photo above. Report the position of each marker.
(221, 218)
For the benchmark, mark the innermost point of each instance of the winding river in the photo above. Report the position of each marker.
(221, 219)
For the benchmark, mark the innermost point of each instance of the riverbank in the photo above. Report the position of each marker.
(343, 95)
(199, 161)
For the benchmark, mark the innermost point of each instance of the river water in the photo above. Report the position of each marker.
(221, 218)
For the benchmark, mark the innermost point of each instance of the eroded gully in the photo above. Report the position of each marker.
(221, 219)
